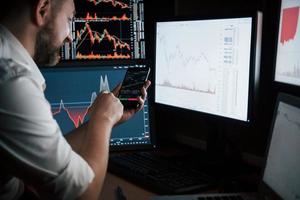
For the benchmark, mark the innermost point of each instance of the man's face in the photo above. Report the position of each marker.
(53, 35)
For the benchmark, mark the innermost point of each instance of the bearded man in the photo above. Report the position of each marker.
(35, 158)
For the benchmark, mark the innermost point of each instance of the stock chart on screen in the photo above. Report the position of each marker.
(71, 92)
(288, 45)
(205, 66)
(106, 29)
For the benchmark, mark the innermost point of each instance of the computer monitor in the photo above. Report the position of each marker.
(71, 91)
(106, 30)
(207, 65)
(281, 170)
(287, 68)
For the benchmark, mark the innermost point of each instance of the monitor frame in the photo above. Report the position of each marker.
(253, 69)
(98, 64)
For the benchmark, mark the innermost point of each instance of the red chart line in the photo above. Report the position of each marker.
(114, 3)
(77, 115)
(90, 17)
(96, 36)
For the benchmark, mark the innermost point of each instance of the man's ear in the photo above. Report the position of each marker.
(42, 12)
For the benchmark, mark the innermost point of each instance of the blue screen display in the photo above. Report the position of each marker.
(71, 91)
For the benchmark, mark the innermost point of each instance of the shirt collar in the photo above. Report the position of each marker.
(20, 55)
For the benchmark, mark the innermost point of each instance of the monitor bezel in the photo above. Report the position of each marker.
(98, 64)
(252, 69)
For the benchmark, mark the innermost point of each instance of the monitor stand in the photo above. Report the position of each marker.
(220, 146)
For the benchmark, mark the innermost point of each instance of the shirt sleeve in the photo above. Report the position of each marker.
(32, 146)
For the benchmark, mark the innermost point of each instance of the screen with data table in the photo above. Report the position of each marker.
(204, 65)
(71, 91)
(106, 30)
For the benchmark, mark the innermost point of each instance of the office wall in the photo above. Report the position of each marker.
(191, 7)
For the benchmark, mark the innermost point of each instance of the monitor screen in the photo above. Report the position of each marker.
(106, 29)
(282, 172)
(71, 91)
(288, 44)
(204, 65)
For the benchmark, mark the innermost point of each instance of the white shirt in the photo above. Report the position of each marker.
(32, 148)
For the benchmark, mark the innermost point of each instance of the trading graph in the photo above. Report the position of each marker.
(106, 29)
(289, 24)
(90, 17)
(203, 63)
(114, 3)
(283, 153)
(288, 45)
(89, 41)
(72, 91)
(178, 71)
(77, 111)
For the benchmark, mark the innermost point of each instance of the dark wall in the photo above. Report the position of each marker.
(191, 7)
(249, 138)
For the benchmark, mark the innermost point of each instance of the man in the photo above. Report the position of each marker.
(33, 152)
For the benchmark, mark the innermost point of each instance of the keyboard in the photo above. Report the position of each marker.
(158, 173)
(220, 196)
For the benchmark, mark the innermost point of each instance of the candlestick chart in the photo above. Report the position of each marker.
(106, 29)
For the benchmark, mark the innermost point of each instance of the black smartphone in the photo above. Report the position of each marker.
(132, 84)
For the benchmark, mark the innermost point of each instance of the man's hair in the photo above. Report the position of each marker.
(16, 7)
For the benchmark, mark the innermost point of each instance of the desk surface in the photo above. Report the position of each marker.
(131, 191)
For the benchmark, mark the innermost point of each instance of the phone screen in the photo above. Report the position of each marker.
(132, 84)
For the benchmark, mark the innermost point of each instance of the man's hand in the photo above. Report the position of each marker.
(106, 107)
(128, 113)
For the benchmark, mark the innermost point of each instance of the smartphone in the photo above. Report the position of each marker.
(132, 84)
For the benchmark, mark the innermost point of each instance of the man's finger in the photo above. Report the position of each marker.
(105, 91)
(117, 89)
(147, 84)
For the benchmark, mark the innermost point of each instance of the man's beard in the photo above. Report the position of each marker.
(46, 54)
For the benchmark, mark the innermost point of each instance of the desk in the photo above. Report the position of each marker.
(131, 191)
